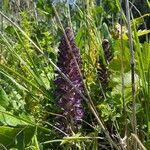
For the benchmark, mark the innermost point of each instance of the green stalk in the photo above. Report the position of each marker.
(122, 75)
(134, 122)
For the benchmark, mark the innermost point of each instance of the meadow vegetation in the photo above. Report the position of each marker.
(74, 75)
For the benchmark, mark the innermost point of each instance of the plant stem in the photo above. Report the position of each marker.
(132, 72)
(122, 76)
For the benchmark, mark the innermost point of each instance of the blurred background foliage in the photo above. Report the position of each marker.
(28, 106)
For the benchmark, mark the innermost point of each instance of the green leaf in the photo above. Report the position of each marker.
(11, 120)
(16, 137)
(26, 135)
(143, 32)
(138, 21)
(4, 100)
(7, 135)
(20, 141)
(75, 137)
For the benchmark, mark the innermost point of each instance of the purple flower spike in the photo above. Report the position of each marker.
(68, 99)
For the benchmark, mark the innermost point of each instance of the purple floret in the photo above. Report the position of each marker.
(68, 99)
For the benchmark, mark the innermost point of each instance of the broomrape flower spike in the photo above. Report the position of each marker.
(68, 99)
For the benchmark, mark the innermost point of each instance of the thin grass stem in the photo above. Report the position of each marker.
(134, 123)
